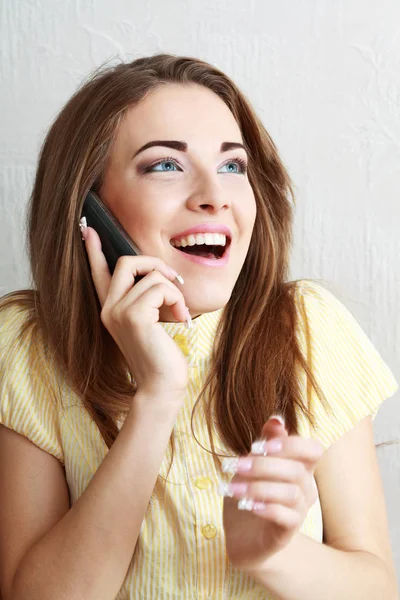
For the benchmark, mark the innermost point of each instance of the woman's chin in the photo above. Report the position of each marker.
(204, 302)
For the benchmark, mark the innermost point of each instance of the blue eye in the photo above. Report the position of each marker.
(237, 161)
(166, 161)
(173, 166)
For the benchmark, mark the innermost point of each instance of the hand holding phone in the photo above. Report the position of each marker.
(115, 242)
(131, 312)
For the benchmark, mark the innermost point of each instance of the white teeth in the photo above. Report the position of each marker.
(210, 239)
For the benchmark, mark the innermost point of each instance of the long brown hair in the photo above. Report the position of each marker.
(253, 369)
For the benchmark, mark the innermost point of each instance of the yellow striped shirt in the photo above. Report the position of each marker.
(180, 552)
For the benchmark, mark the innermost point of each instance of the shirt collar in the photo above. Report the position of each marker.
(197, 342)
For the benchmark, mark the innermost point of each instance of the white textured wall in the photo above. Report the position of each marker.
(324, 76)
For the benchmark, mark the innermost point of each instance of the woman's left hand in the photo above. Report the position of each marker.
(275, 494)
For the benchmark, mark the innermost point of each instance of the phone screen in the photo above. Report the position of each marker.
(115, 242)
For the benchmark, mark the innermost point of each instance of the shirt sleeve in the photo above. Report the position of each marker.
(347, 367)
(27, 404)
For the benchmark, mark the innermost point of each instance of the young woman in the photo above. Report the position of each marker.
(167, 440)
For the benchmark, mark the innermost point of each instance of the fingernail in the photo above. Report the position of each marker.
(244, 464)
(274, 445)
(83, 228)
(229, 489)
(237, 465)
(189, 322)
(229, 465)
(259, 506)
(177, 275)
(224, 489)
(259, 447)
(246, 504)
(278, 418)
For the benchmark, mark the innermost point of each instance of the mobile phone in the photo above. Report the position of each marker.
(115, 242)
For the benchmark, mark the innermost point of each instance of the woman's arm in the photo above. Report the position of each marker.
(308, 569)
(86, 554)
(355, 562)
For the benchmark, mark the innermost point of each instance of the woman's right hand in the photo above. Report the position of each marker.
(130, 312)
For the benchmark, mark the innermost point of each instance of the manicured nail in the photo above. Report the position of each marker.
(83, 227)
(278, 418)
(259, 447)
(229, 465)
(244, 464)
(230, 489)
(274, 445)
(246, 504)
(177, 275)
(259, 506)
(224, 489)
(189, 322)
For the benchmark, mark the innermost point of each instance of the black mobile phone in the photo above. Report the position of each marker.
(115, 242)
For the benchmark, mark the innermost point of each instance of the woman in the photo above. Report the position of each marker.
(160, 439)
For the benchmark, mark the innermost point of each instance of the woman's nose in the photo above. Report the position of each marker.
(208, 194)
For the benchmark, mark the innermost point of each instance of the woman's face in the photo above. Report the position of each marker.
(159, 193)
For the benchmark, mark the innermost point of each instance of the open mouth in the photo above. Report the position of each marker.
(211, 251)
(204, 250)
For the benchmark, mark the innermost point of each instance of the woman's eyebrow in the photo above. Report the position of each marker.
(182, 146)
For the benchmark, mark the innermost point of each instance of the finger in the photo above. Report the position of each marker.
(281, 515)
(98, 265)
(288, 494)
(274, 428)
(148, 304)
(149, 281)
(266, 468)
(123, 277)
(129, 267)
(294, 447)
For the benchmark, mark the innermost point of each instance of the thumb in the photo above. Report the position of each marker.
(98, 265)
(274, 427)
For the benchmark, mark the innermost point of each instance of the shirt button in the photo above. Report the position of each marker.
(181, 341)
(209, 531)
(203, 483)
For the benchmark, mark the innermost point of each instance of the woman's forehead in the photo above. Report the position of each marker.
(179, 112)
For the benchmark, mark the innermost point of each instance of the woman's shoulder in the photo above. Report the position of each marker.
(347, 366)
(15, 328)
(321, 312)
(29, 404)
(315, 293)
(20, 334)
(334, 334)
(12, 316)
